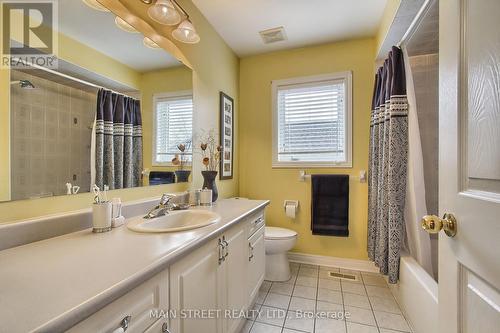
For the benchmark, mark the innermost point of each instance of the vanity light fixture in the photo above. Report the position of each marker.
(148, 42)
(169, 12)
(164, 12)
(94, 4)
(124, 25)
(186, 33)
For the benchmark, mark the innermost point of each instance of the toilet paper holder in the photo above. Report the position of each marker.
(292, 203)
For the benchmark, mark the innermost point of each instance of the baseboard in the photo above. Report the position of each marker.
(346, 263)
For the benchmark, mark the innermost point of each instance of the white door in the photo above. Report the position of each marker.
(195, 286)
(469, 165)
(235, 270)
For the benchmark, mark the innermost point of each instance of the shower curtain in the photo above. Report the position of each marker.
(118, 141)
(418, 242)
(388, 165)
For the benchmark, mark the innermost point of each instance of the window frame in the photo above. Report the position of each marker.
(275, 84)
(156, 98)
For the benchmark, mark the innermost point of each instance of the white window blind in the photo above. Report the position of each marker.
(311, 122)
(173, 125)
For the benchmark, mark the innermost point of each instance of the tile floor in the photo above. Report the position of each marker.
(314, 302)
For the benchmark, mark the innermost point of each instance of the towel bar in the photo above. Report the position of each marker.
(303, 176)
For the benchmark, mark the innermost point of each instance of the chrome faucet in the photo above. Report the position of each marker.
(162, 208)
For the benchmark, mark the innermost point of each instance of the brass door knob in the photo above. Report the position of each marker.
(433, 224)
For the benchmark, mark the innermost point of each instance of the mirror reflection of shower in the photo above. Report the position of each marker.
(24, 84)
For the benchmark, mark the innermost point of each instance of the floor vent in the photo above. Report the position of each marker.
(343, 276)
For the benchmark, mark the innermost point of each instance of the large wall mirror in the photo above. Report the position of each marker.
(116, 111)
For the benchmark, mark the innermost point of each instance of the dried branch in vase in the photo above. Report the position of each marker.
(210, 151)
(182, 159)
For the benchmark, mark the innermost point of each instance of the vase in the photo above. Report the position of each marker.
(182, 176)
(209, 183)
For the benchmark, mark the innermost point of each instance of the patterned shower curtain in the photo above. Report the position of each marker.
(118, 141)
(388, 165)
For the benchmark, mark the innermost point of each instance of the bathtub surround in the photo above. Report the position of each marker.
(388, 164)
(49, 137)
(118, 141)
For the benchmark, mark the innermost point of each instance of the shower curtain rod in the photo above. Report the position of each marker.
(66, 76)
(415, 23)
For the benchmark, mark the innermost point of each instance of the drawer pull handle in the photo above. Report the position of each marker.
(221, 252)
(251, 252)
(225, 247)
(164, 328)
(123, 325)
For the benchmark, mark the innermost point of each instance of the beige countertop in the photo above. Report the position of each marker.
(52, 284)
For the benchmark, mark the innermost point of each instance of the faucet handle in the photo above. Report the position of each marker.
(165, 199)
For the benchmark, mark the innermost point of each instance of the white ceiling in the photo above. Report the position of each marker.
(98, 30)
(306, 22)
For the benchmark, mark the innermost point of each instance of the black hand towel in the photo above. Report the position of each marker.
(330, 205)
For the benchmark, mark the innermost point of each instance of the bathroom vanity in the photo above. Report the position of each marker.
(181, 282)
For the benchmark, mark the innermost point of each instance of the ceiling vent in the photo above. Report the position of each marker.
(273, 35)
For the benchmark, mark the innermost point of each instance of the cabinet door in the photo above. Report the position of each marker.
(195, 286)
(235, 270)
(256, 264)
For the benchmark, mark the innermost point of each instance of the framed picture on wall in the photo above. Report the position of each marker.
(226, 136)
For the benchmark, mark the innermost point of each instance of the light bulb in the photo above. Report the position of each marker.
(94, 4)
(164, 12)
(124, 25)
(148, 42)
(186, 33)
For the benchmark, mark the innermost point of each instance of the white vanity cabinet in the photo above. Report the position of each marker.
(235, 273)
(135, 307)
(207, 290)
(211, 282)
(196, 285)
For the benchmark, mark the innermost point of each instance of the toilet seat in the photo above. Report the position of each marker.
(278, 233)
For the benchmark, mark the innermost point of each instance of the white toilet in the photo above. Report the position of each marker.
(278, 242)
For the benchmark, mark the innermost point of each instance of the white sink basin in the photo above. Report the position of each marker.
(175, 221)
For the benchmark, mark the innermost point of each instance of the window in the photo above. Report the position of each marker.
(173, 124)
(312, 121)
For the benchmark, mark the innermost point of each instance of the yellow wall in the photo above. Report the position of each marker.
(215, 68)
(389, 13)
(259, 180)
(154, 82)
(97, 62)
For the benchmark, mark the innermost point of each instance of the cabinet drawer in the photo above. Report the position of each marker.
(256, 222)
(138, 303)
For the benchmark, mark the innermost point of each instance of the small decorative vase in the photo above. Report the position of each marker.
(209, 183)
(182, 176)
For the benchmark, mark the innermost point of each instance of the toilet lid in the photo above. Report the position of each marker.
(278, 233)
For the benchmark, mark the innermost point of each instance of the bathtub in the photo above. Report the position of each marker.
(417, 294)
